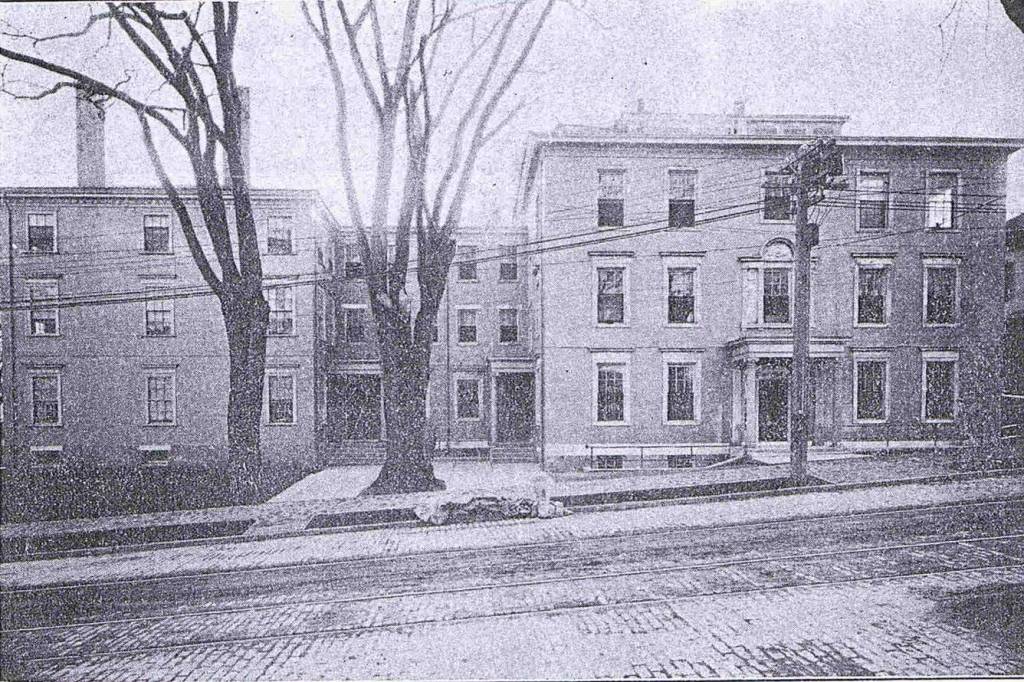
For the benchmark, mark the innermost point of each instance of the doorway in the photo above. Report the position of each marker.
(773, 400)
(514, 407)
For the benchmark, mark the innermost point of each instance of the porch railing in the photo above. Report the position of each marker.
(654, 456)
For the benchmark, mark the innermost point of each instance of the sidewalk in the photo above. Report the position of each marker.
(333, 491)
(394, 542)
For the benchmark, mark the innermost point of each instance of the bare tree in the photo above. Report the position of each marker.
(192, 51)
(400, 91)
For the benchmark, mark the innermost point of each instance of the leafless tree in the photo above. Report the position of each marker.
(429, 122)
(191, 49)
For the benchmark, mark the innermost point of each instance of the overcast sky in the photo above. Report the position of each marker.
(885, 63)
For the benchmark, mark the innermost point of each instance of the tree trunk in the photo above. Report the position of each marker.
(405, 365)
(246, 317)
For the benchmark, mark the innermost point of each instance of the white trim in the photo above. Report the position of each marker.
(154, 373)
(597, 196)
(474, 256)
(936, 263)
(519, 336)
(957, 194)
(870, 356)
(681, 263)
(598, 359)
(32, 374)
(145, 313)
(696, 195)
(34, 450)
(170, 234)
(940, 356)
(692, 360)
(872, 263)
(56, 232)
(44, 281)
(151, 448)
(343, 329)
(464, 376)
(291, 234)
(290, 290)
(889, 213)
(610, 262)
(266, 381)
(763, 195)
(476, 324)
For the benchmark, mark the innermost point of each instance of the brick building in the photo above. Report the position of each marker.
(677, 338)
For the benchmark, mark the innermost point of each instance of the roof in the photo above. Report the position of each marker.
(139, 192)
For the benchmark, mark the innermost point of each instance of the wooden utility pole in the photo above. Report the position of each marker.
(813, 170)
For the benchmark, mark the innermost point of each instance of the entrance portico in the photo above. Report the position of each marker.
(761, 391)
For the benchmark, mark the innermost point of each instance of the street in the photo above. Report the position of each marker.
(925, 591)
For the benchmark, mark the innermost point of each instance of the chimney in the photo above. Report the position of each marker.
(243, 101)
(89, 145)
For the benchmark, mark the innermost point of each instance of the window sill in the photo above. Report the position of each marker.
(943, 230)
(612, 424)
(280, 423)
(612, 325)
(468, 343)
(870, 325)
(508, 281)
(282, 336)
(46, 426)
(941, 325)
(610, 227)
(681, 325)
(938, 421)
(156, 253)
(44, 336)
(468, 281)
(41, 253)
(159, 426)
(468, 420)
(157, 336)
(870, 422)
(48, 467)
(509, 343)
(285, 253)
(692, 422)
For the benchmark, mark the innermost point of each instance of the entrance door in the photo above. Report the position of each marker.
(353, 407)
(773, 402)
(514, 407)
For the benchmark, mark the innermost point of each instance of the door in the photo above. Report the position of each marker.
(353, 407)
(514, 407)
(773, 402)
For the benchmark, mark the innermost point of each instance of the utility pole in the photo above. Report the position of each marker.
(813, 170)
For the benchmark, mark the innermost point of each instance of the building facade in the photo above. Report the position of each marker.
(666, 332)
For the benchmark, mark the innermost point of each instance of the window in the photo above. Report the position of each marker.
(46, 399)
(156, 234)
(872, 294)
(681, 198)
(940, 386)
(160, 317)
(873, 200)
(871, 389)
(508, 325)
(46, 455)
(155, 455)
(467, 325)
(940, 294)
(679, 393)
(611, 196)
(775, 297)
(508, 269)
(43, 321)
(467, 398)
(354, 324)
(611, 295)
(611, 393)
(280, 398)
(1009, 281)
(282, 311)
(279, 236)
(942, 199)
(42, 233)
(778, 202)
(680, 296)
(353, 262)
(467, 263)
(160, 399)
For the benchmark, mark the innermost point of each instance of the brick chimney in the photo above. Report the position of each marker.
(89, 143)
(243, 100)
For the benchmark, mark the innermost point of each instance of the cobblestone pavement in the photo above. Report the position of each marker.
(922, 592)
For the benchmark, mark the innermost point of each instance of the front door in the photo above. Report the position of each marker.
(514, 407)
(773, 403)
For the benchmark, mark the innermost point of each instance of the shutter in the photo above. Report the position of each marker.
(751, 299)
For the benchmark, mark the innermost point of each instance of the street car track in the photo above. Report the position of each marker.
(1012, 562)
(483, 551)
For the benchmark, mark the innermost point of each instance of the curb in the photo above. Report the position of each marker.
(604, 507)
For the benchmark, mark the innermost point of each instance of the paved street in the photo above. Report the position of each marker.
(926, 591)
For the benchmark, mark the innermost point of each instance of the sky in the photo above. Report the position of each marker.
(906, 67)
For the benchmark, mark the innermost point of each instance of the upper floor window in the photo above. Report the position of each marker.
(42, 233)
(279, 236)
(873, 200)
(282, 311)
(942, 200)
(940, 293)
(509, 267)
(156, 234)
(353, 259)
(681, 300)
(778, 200)
(46, 399)
(466, 257)
(682, 185)
(611, 195)
(467, 325)
(280, 398)
(611, 295)
(44, 319)
(508, 325)
(353, 324)
(160, 398)
(775, 298)
(160, 317)
(872, 297)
